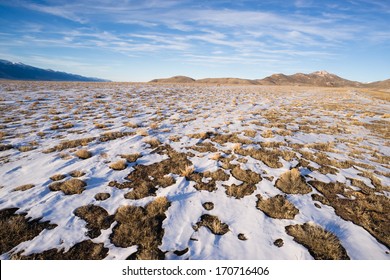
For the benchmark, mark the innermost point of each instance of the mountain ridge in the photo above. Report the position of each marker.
(320, 78)
(20, 71)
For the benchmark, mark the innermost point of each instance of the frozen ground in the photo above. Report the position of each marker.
(186, 146)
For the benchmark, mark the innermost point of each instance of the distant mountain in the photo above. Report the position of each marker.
(175, 79)
(379, 84)
(20, 71)
(319, 78)
(227, 81)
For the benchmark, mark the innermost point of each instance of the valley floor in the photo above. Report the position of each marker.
(143, 171)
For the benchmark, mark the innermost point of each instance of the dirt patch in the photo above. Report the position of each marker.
(292, 182)
(69, 187)
(213, 224)
(15, 229)
(141, 226)
(85, 250)
(239, 191)
(277, 207)
(322, 244)
(365, 209)
(97, 218)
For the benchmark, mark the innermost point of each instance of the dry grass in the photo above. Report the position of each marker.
(118, 165)
(236, 147)
(267, 134)
(112, 135)
(322, 244)
(102, 196)
(131, 124)
(240, 191)
(141, 226)
(26, 148)
(5, 147)
(153, 142)
(15, 228)
(131, 157)
(247, 176)
(57, 177)
(187, 171)
(367, 209)
(277, 207)
(83, 154)
(70, 144)
(69, 187)
(77, 173)
(85, 250)
(142, 132)
(24, 187)
(97, 218)
(213, 224)
(215, 156)
(292, 182)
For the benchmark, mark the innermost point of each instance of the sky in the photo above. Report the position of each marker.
(132, 40)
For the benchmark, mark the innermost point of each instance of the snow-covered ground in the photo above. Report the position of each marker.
(293, 124)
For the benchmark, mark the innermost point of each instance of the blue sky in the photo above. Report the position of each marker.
(132, 40)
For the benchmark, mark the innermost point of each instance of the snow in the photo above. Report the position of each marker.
(204, 109)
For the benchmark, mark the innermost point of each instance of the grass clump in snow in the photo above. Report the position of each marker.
(69, 187)
(57, 177)
(292, 182)
(85, 250)
(97, 218)
(118, 165)
(102, 196)
(24, 187)
(141, 226)
(83, 154)
(322, 244)
(15, 228)
(213, 224)
(277, 207)
(240, 191)
(247, 176)
(363, 207)
(131, 157)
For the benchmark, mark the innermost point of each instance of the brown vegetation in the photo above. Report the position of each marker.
(213, 224)
(141, 226)
(322, 244)
(277, 207)
(69, 187)
(292, 182)
(15, 228)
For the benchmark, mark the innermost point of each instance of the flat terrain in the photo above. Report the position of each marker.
(170, 171)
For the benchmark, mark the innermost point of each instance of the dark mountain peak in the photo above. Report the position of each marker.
(20, 71)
